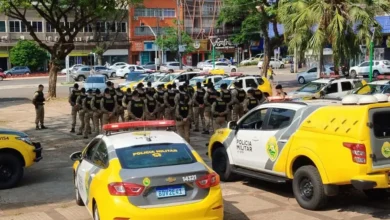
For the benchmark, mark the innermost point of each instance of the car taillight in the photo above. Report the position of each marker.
(125, 189)
(358, 152)
(207, 181)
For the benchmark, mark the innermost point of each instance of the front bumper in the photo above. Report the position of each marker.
(375, 181)
(38, 151)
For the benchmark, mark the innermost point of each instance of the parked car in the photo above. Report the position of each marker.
(95, 82)
(18, 70)
(201, 64)
(311, 74)
(63, 71)
(224, 60)
(125, 70)
(178, 78)
(151, 66)
(379, 67)
(118, 65)
(228, 68)
(249, 60)
(2, 76)
(104, 71)
(274, 63)
(375, 87)
(172, 66)
(288, 59)
(81, 73)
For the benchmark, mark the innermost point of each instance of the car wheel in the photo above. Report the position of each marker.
(375, 73)
(80, 78)
(308, 188)
(8, 74)
(301, 80)
(233, 70)
(107, 78)
(79, 201)
(113, 75)
(221, 164)
(353, 74)
(189, 70)
(96, 215)
(11, 170)
(377, 194)
(26, 73)
(281, 66)
(125, 76)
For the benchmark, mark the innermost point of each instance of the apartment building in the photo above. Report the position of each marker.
(11, 31)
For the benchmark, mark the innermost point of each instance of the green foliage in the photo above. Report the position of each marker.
(169, 40)
(28, 53)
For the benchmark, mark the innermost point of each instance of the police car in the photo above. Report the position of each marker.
(382, 85)
(206, 78)
(318, 144)
(143, 175)
(247, 82)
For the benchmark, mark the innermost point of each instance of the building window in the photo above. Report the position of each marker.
(169, 13)
(155, 12)
(144, 31)
(14, 26)
(37, 26)
(23, 27)
(2, 26)
(100, 26)
(49, 28)
(70, 25)
(88, 28)
(121, 27)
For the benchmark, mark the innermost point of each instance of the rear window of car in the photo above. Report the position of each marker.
(155, 155)
(381, 124)
(95, 80)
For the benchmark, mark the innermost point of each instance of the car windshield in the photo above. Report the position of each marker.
(155, 155)
(169, 77)
(370, 89)
(135, 77)
(312, 87)
(219, 83)
(95, 80)
(193, 81)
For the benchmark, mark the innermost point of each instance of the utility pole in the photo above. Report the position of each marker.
(179, 33)
(372, 53)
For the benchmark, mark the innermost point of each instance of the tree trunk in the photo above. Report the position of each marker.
(53, 70)
(100, 59)
(320, 62)
(267, 55)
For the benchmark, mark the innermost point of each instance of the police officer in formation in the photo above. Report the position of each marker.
(75, 108)
(198, 107)
(151, 104)
(169, 101)
(108, 107)
(209, 99)
(88, 113)
(159, 97)
(220, 111)
(79, 106)
(120, 110)
(183, 118)
(125, 102)
(135, 107)
(238, 96)
(97, 112)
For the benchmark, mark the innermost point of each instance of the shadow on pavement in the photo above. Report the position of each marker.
(7, 102)
(233, 213)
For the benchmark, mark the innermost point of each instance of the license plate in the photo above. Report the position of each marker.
(170, 191)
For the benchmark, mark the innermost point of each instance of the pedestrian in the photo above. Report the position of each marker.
(169, 101)
(88, 113)
(151, 105)
(141, 91)
(183, 120)
(198, 104)
(220, 112)
(238, 96)
(108, 106)
(280, 92)
(209, 99)
(79, 105)
(271, 74)
(179, 94)
(136, 107)
(97, 112)
(110, 87)
(250, 101)
(159, 97)
(72, 101)
(125, 102)
(120, 110)
(226, 96)
(39, 102)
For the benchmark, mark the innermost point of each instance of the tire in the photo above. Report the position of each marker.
(11, 170)
(353, 74)
(233, 70)
(125, 76)
(79, 201)
(375, 74)
(113, 75)
(107, 77)
(26, 73)
(221, 164)
(282, 66)
(308, 188)
(301, 80)
(96, 215)
(80, 78)
(377, 194)
(8, 74)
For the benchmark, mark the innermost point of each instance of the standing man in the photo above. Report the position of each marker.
(141, 91)
(250, 102)
(149, 87)
(120, 110)
(136, 108)
(151, 105)
(159, 97)
(111, 88)
(190, 92)
(125, 102)
(88, 113)
(174, 88)
(226, 96)
(209, 99)
(183, 120)
(72, 101)
(169, 100)
(39, 102)
(280, 92)
(108, 107)
(220, 112)
(198, 103)
(238, 96)
(97, 113)
(79, 105)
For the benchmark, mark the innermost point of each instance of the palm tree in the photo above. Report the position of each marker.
(344, 24)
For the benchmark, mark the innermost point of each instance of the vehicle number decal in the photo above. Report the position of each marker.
(4, 138)
(189, 178)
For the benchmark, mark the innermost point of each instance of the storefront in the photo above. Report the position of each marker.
(224, 48)
(112, 56)
(85, 57)
(200, 53)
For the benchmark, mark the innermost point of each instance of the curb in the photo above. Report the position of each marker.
(32, 77)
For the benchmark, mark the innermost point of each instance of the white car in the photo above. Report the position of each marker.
(228, 68)
(205, 79)
(125, 70)
(379, 67)
(201, 64)
(63, 71)
(178, 78)
(172, 66)
(274, 63)
(311, 74)
(249, 60)
(118, 65)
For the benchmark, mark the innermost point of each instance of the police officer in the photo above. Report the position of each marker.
(226, 96)
(179, 94)
(258, 94)
(159, 97)
(125, 102)
(39, 102)
(79, 105)
(141, 91)
(220, 112)
(136, 107)
(149, 87)
(120, 110)
(174, 88)
(250, 102)
(209, 99)
(108, 106)
(198, 103)
(238, 96)
(97, 113)
(151, 105)
(190, 92)
(88, 113)
(169, 100)
(183, 119)
(72, 101)
(110, 87)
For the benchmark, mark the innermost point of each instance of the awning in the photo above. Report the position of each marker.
(116, 52)
(4, 54)
(79, 53)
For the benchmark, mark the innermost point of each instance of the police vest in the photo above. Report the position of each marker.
(40, 98)
(226, 96)
(241, 95)
(119, 98)
(183, 109)
(160, 97)
(212, 97)
(112, 92)
(141, 94)
(200, 96)
(171, 98)
(151, 104)
(137, 108)
(88, 102)
(252, 102)
(190, 91)
(109, 103)
(75, 94)
(97, 101)
(220, 106)
(82, 97)
(258, 94)
(150, 89)
(128, 99)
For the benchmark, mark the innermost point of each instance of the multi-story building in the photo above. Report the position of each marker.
(11, 31)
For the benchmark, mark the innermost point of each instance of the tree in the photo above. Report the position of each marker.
(57, 13)
(28, 53)
(343, 24)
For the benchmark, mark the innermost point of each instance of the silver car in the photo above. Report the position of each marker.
(105, 71)
(172, 66)
(311, 74)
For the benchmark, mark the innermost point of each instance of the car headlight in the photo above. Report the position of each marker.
(27, 140)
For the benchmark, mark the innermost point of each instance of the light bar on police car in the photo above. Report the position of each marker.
(278, 98)
(323, 76)
(236, 74)
(383, 77)
(138, 124)
(205, 73)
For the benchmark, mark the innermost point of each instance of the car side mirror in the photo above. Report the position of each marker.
(176, 81)
(232, 125)
(76, 156)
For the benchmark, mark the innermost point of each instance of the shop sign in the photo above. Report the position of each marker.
(223, 44)
(137, 46)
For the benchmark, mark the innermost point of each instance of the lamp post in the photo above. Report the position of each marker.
(213, 43)
(155, 43)
(372, 53)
